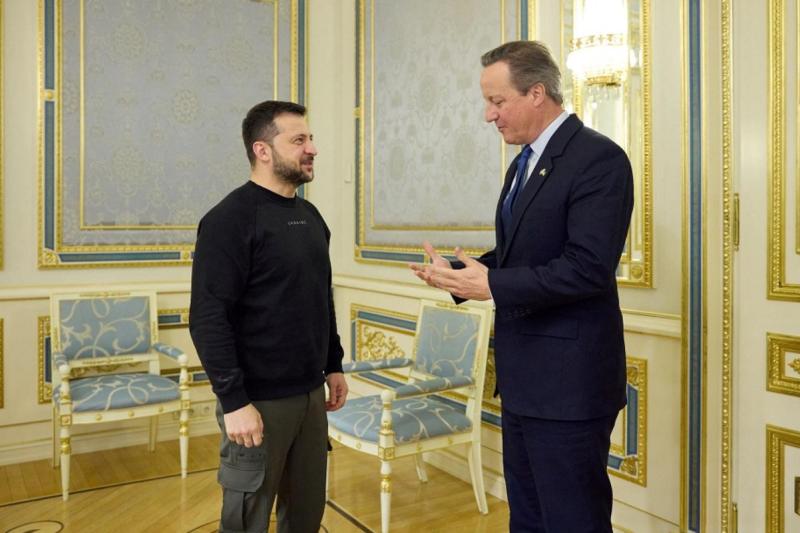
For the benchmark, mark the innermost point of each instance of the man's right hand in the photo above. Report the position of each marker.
(244, 426)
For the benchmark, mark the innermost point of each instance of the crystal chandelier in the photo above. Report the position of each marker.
(600, 54)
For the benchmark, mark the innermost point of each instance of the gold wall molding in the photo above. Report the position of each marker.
(2, 351)
(778, 286)
(2, 141)
(778, 439)
(728, 515)
(44, 389)
(778, 359)
(374, 344)
(633, 456)
(797, 496)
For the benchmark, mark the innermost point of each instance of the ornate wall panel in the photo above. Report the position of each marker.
(783, 253)
(631, 129)
(628, 456)
(783, 364)
(140, 114)
(783, 464)
(167, 319)
(429, 167)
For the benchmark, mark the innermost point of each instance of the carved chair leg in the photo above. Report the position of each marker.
(183, 438)
(328, 468)
(386, 495)
(422, 473)
(476, 472)
(66, 450)
(55, 443)
(153, 433)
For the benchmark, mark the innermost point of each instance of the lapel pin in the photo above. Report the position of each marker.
(543, 172)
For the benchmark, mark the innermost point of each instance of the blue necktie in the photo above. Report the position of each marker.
(519, 183)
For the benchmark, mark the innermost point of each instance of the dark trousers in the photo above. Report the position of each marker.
(555, 473)
(290, 463)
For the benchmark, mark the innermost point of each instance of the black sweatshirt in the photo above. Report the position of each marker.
(262, 315)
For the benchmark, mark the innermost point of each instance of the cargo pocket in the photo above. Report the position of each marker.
(241, 474)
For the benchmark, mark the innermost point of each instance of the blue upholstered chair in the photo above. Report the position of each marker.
(106, 367)
(450, 351)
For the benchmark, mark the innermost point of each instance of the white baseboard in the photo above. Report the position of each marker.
(457, 467)
(105, 439)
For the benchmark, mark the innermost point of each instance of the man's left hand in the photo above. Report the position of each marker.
(470, 282)
(337, 391)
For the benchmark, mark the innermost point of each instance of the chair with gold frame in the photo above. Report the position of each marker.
(450, 351)
(106, 367)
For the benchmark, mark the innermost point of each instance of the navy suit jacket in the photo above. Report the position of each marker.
(559, 346)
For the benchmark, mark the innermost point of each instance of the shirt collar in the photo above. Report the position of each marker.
(541, 141)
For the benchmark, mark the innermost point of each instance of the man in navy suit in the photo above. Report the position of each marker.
(561, 225)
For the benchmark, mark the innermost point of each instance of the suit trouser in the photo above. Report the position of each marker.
(290, 463)
(555, 473)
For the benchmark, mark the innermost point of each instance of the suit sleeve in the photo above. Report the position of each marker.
(489, 259)
(219, 277)
(597, 218)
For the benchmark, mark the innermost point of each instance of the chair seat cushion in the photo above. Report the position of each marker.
(413, 419)
(119, 391)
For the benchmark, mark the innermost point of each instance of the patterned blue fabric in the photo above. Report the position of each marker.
(363, 366)
(412, 420)
(447, 342)
(432, 385)
(119, 391)
(170, 351)
(101, 327)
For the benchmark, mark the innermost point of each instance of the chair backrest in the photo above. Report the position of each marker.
(450, 339)
(94, 325)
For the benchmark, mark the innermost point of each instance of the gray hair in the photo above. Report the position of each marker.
(529, 62)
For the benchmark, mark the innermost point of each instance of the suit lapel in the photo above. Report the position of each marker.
(545, 166)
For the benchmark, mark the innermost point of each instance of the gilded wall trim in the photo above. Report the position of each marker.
(2, 360)
(778, 286)
(783, 364)
(728, 221)
(779, 481)
(44, 386)
(2, 140)
(628, 460)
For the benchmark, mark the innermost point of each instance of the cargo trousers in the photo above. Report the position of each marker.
(290, 463)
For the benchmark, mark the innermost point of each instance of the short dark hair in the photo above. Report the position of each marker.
(259, 124)
(529, 62)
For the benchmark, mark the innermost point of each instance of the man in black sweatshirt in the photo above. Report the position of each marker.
(263, 323)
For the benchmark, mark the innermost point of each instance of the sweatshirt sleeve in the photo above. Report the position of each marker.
(219, 277)
(335, 351)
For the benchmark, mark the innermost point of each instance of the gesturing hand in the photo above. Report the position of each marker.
(244, 426)
(470, 282)
(337, 391)
(425, 271)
